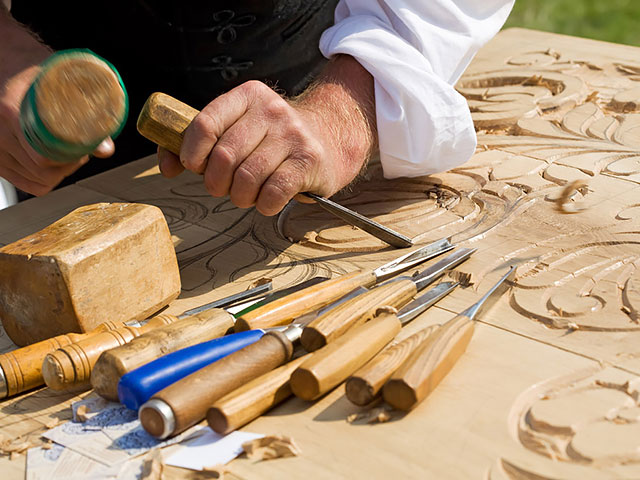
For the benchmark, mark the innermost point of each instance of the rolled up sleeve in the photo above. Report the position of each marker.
(416, 50)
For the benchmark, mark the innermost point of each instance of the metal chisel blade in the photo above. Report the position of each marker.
(420, 304)
(413, 258)
(492, 296)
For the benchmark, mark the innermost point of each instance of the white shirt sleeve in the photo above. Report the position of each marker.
(416, 50)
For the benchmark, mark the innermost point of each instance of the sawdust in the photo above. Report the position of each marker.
(153, 466)
(270, 447)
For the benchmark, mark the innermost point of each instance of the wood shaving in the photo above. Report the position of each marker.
(152, 467)
(375, 415)
(81, 414)
(565, 202)
(217, 471)
(14, 448)
(465, 279)
(271, 446)
(54, 422)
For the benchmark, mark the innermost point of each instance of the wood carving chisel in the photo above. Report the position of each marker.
(112, 364)
(284, 310)
(163, 120)
(21, 369)
(333, 363)
(394, 293)
(140, 384)
(428, 364)
(185, 403)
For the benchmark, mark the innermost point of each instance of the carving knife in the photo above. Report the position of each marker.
(394, 293)
(163, 120)
(140, 384)
(21, 369)
(428, 364)
(284, 310)
(333, 363)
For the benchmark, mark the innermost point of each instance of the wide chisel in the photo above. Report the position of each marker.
(113, 363)
(140, 384)
(284, 310)
(428, 364)
(334, 362)
(394, 293)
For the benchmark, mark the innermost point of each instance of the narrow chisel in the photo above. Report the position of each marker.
(394, 293)
(428, 364)
(334, 362)
(284, 310)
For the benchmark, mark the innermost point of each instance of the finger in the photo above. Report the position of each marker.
(10, 171)
(105, 149)
(235, 145)
(288, 180)
(169, 163)
(251, 174)
(209, 125)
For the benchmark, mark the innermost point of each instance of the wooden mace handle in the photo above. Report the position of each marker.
(190, 397)
(22, 368)
(421, 373)
(356, 311)
(248, 402)
(163, 120)
(286, 309)
(365, 384)
(114, 363)
(334, 362)
(70, 366)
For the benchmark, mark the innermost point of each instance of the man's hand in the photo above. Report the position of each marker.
(262, 150)
(20, 164)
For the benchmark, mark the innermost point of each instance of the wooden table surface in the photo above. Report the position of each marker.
(549, 385)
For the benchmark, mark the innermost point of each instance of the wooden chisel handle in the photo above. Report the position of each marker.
(421, 373)
(365, 384)
(248, 402)
(163, 120)
(22, 368)
(334, 362)
(70, 366)
(286, 309)
(189, 398)
(335, 322)
(114, 363)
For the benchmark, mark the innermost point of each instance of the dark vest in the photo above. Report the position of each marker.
(193, 50)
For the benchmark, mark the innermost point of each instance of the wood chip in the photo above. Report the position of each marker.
(566, 203)
(54, 422)
(271, 446)
(81, 414)
(374, 415)
(217, 471)
(152, 467)
(14, 447)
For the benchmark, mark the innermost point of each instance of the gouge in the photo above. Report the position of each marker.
(137, 386)
(112, 364)
(394, 293)
(428, 364)
(163, 120)
(333, 363)
(185, 403)
(284, 310)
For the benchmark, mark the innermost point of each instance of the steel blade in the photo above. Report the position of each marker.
(416, 257)
(429, 275)
(492, 296)
(420, 304)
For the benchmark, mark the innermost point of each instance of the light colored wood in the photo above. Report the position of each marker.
(485, 419)
(284, 310)
(354, 312)
(366, 383)
(102, 262)
(252, 399)
(113, 364)
(70, 366)
(333, 363)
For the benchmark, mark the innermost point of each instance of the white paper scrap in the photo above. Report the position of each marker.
(210, 449)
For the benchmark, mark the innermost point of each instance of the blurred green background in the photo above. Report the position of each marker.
(615, 21)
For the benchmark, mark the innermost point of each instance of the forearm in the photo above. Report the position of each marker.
(343, 99)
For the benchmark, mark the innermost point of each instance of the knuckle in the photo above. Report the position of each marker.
(246, 176)
(224, 157)
(276, 109)
(204, 125)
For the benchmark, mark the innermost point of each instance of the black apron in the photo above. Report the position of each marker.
(193, 50)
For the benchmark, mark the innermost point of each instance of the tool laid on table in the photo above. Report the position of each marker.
(283, 311)
(112, 364)
(103, 262)
(333, 363)
(259, 395)
(139, 385)
(394, 293)
(164, 119)
(430, 362)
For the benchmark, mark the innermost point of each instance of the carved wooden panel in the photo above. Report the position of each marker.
(549, 385)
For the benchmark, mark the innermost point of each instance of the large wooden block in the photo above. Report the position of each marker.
(106, 261)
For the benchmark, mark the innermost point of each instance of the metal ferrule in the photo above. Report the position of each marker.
(4, 391)
(164, 410)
